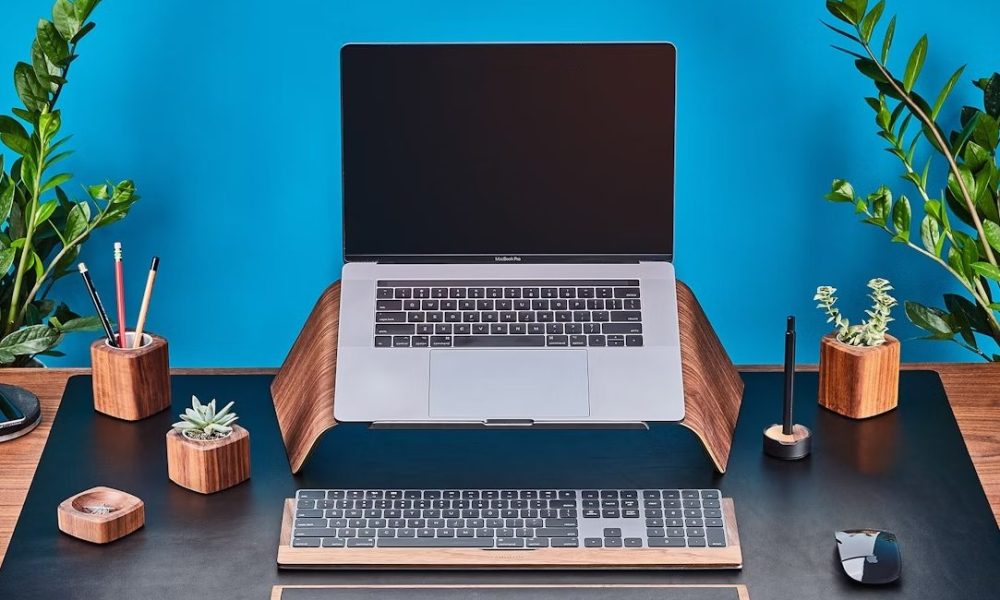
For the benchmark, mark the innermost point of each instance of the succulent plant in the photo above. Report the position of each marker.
(203, 422)
(870, 332)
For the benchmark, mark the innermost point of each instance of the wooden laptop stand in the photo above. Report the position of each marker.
(303, 389)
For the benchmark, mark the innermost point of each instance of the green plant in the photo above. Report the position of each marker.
(43, 228)
(960, 227)
(202, 422)
(869, 332)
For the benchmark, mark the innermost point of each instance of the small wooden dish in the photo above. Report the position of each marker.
(101, 515)
(208, 466)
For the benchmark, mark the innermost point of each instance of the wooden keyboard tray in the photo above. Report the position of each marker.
(730, 557)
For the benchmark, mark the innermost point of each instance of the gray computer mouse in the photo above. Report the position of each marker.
(869, 555)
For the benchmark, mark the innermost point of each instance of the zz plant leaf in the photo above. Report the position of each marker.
(44, 227)
(960, 227)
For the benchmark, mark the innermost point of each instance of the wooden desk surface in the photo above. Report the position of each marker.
(974, 391)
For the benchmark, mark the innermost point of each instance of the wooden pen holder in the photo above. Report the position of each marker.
(131, 383)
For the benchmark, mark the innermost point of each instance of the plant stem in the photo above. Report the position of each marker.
(15, 316)
(953, 166)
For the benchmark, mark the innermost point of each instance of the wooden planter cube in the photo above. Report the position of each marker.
(208, 466)
(101, 515)
(858, 382)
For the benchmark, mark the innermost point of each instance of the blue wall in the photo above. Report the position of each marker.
(226, 114)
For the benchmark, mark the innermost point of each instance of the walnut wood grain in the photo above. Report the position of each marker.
(127, 514)
(131, 384)
(858, 382)
(713, 389)
(208, 466)
(741, 590)
(730, 557)
(972, 388)
(303, 389)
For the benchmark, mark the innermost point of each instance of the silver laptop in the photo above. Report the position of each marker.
(508, 235)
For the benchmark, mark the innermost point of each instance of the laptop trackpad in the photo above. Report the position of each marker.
(477, 385)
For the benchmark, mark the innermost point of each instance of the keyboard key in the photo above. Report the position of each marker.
(422, 293)
(390, 317)
(596, 340)
(383, 341)
(629, 292)
(604, 292)
(563, 542)
(633, 542)
(439, 292)
(401, 341)
(512, 292)
(612, 532)
(622, 328)
(615, 542)
(593, 543)
(498, 341)
(633, 340)
(306, 543)
(550, 293)
(389, 305)
(494, 292)
(432, 542)
(383, 293)
(557, 341)
(477, 293)
(441, 341)
(626, 315)
(403, 293)
(577, 340)
(716, 537)
(456, 293)
(666, 542)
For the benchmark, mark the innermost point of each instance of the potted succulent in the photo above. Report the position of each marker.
(859, 364)
(41, 225)
(206, 451)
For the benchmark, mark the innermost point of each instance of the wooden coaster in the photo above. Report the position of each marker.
(101, 515)
(730, 557)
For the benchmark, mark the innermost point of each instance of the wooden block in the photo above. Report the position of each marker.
(303, 390)
(101, 515)
(471, 590)
(131, 384)
(858, 382)
(208, 466)
(730, 557)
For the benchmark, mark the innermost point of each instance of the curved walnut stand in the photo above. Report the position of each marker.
(303, 389)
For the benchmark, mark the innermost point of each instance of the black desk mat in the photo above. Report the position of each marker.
(907, 471)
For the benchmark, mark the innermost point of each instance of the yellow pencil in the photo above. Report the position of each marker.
(137, 341)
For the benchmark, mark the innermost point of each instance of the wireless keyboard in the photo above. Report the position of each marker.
(620, 519)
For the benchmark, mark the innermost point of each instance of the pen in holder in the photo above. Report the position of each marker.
(131, 383)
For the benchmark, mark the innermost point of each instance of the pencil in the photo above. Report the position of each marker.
(98, 306)
(120, 292)
(145, 302)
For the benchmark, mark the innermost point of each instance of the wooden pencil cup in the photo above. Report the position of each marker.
(131, 383)
(858, 382)
(208, 466)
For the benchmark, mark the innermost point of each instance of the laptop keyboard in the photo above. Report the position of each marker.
(593, 518)
(508, 314)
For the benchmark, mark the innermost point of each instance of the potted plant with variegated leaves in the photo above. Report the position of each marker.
(859, 364)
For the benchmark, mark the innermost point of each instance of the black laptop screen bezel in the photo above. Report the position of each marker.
(512, 258)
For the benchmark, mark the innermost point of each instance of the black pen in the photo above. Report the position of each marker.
(101, 313)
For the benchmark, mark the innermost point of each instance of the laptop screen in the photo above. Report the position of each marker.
(455, 151)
